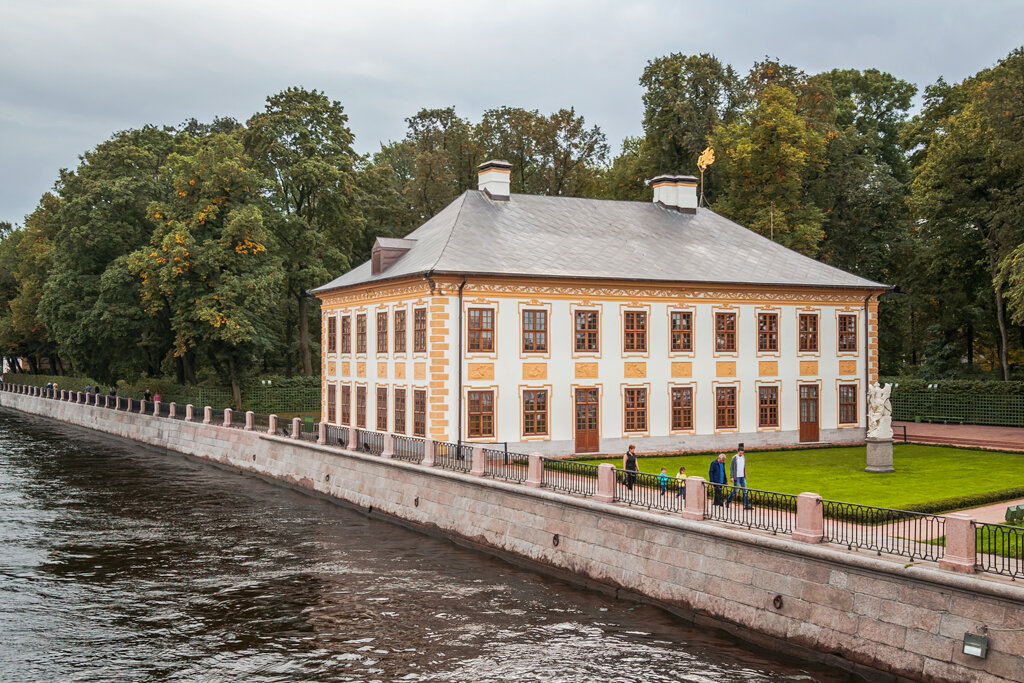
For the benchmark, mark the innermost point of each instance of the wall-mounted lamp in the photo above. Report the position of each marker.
(975, 645)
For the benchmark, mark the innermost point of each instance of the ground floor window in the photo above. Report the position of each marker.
(847, 404)
(682, 408)
(767, 406)
(382, 409)
(725, 407)
(346, 405)
(361, 407)
(481, 414)
(535, 412)
(419, 412)
(332, 402)
(400, 411)
(635, 410)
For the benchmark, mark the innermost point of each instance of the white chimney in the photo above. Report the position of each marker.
(677, 192)
(495, 179)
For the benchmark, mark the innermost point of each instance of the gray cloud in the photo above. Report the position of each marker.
(72, 73)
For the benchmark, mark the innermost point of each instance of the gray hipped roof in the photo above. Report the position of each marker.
(570, 237)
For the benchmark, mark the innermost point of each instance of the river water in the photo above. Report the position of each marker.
(120, 563)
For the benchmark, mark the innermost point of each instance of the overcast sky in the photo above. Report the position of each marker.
(74, 72)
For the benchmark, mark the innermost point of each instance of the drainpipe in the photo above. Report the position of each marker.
(867, 359)
(458, 393)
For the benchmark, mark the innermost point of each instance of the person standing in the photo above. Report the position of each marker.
(716, 475)
(681, 484)
(738, 474)
(663, 479)
(629, 464)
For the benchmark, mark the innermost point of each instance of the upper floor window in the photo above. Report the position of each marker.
(586, 336)
(346, 334)
(809, 332)
(634, 331)
(481, 329)
(535, 331)
(419, 332)
(767, 331)
(481, 413)
(847, 333)
(332, 334)
(681, 338)
(382, 332)
(361, 333)
(725, 331)
(400, 334)
(635, 409)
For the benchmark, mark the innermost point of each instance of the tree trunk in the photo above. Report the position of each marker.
(33, 367)
(236, 389)
(289, 338)
(189, 365)
(970, 345)
(179, 370)
(1004, 340)
(307, 359)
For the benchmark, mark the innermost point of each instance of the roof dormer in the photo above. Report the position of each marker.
(387, 250)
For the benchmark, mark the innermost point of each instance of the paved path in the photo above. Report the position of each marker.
(999, 438)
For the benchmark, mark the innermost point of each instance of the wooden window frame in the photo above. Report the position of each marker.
(726, 414)
(586, 331)
(537, 414)
(479, 418)
(635, 417)
(346, 334)
(844, 337)
(381, 406)
(808, 338)
(332, 402)
(633, 334)
(725, 335)
(533, 332)
(361, 406)
(851, 406)
(361, 333)
(481, 331)
(768, 339)
(400, 333)
(332, 334)
(768, 405)
(681, 413)
(400, 417)
(382, 332)
(419, 332)
(346, 405)
(680, 339)
(419, 412)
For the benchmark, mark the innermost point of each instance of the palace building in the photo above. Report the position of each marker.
(563, 325)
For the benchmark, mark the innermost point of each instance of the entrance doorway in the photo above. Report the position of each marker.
(808, 412)
(587, 429)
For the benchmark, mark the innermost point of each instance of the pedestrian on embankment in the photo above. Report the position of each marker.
(681, 483)
(716, 475)
(629, 464)
(738, 474)
(663, 479)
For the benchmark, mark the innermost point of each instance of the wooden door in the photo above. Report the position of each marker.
(808, 412)
(587, 430)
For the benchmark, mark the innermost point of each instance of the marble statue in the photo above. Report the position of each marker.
(879, 411)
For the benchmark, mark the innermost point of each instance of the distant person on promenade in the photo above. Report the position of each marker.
(156, 397)
(681, 482)
(663, 480)
(113, 391)
(88, 388)
(147, 397)
(716, 475)
(629, 464)
(738, 474)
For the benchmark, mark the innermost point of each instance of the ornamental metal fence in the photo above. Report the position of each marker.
(999, 549)
(570, 477)
(501, 464)
(369, 441)
(651, 491)
(751, 508)
(1005, 410)
(408, 448)
(453, 456)
(309, 431)
(885, 530)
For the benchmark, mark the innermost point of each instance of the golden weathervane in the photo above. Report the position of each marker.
(706, 158)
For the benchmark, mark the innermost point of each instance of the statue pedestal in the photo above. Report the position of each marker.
(879, 455)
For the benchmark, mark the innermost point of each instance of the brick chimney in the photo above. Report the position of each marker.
(495, 179)
(676, 192)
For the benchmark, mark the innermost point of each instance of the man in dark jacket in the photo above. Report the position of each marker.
(716, 475)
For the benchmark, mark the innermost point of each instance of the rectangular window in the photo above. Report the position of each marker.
(382, 409)
(535, 331)
(419, 412)
(635, 409)
(400, 411)
(332, 334)
(481, 329)
(586, 331)
(725, 407)
(346, 334)
(682, 408)
(725, 332)
(808, 332)
(681, 335)
(382, 332)
(346, 405)
(768, 406)
(535, 412)
(847, 333)
(400, 334)
(634, 331)
(361, 407)
(361, 333)
(419, 330)
(332, 402)
(767, 331)
(481, 413)
(848, 403)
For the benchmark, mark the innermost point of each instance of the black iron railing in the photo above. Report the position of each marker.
(751, 508)
(884, 530)
(999, 549)
(453, 456)
(570, 477)
(649, 490)
(336, 436)
(309, 431)
(260, 422)
(501, 464)
(409, 448)
(369, 441)
(284, 428)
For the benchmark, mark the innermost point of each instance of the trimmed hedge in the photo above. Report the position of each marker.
(986, 387)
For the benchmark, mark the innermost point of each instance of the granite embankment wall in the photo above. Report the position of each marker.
(874, 615)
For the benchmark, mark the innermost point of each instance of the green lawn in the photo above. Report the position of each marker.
(924, 474)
